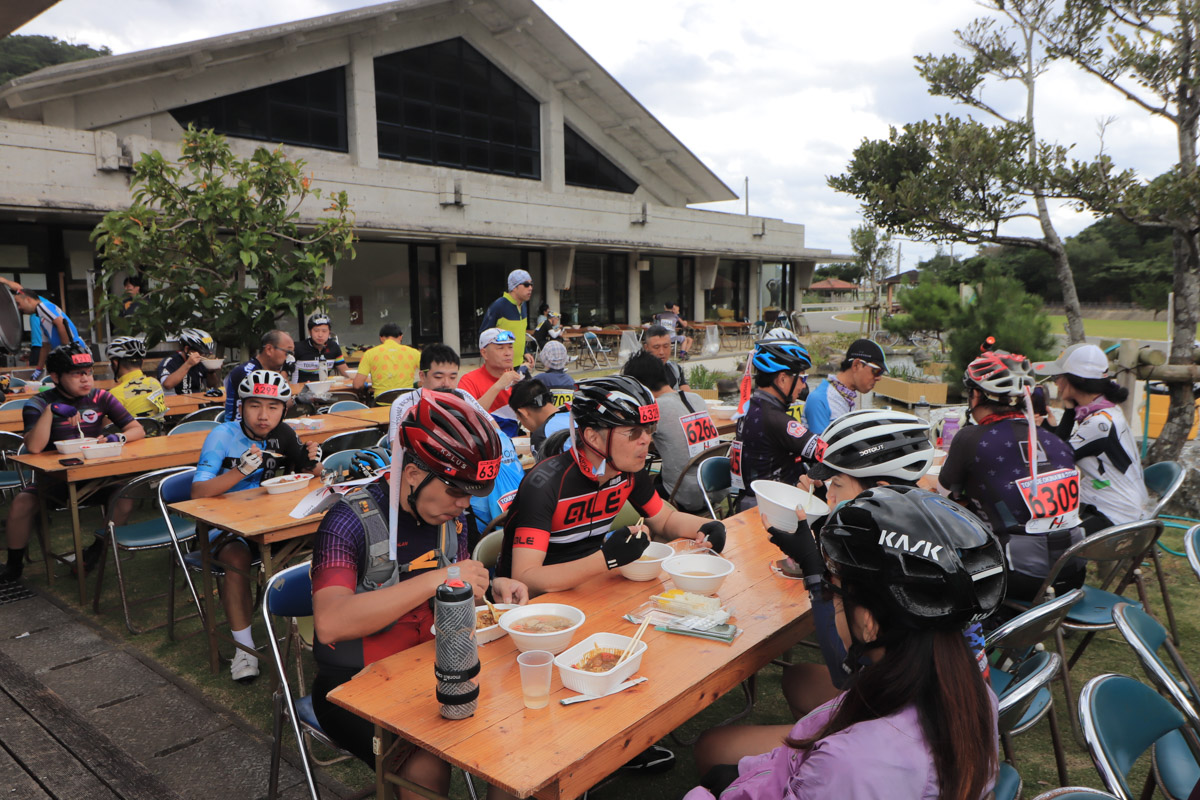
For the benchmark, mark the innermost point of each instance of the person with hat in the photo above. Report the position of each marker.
(491, 383)
(182, 372)
(141, 395)
(240, 454)
(72, 406)
(1111, 487)
(389, 365)
(548, 329)
(555, 359)
(840, 393)
(319, 352)
(770, 444)
(365, 608)
(510, 312)
(49, 327)
(917, 720)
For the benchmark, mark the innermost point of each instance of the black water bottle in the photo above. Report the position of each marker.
(457, 664)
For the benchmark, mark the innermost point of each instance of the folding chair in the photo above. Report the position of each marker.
(352, 440)
(1008, 783)
(693, 463)
(176, 488)
(389, 397)
(195, 426)
(1164, 479)
(339, 462)
(1147, 637)
(1075, 793)
(1015, 642)
(151, 534)
(1123, 718)
(714, 477)
(214, 412)
(344, 394)
(1027, 696)
(10, 473)
(18, 403)
(345, 405)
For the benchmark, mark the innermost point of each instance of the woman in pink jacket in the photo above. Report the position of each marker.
(906, 571)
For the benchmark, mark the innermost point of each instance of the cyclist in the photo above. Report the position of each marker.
(241, 454)
(1030, 502)
(319, 352)
(182, 372)
(141, 395)
(533, 404)
(769, 443)
(49, 327)
(918, 720)
(273, 354)
(840, 393)
(658, 341)
(1111, 488)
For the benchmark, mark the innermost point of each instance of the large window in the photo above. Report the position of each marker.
(587, 166)
(446, 104)
(309, 111)
(669, 280)
(730, 296)
(599, 290)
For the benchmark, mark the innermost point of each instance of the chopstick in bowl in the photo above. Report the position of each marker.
(637, 637)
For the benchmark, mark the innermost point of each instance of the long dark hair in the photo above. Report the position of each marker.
(1112, 391)
(936, 671)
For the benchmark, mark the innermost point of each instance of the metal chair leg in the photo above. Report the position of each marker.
(1166, 597)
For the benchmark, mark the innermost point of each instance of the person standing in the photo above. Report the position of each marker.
(841, 393)
(510, 312)
(390, 365)
(317, 350)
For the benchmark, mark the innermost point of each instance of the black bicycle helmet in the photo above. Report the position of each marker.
(930, 561)
(875, 443)
(67, 357)
(613, 402)
(197, 340)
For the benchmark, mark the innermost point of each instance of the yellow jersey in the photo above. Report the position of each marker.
(389, 366)
(141, 395)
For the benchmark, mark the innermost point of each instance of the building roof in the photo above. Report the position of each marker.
(519, 24)
(15, 13)
(908, 276)
(834, 285)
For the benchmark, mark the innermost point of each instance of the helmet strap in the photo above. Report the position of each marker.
(412, 498)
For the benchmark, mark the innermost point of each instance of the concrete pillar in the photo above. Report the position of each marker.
(554, 175)
(803, 275)
(633, 290)
(450, 323)
(361, 130)
(560, 264)
(754, 279)
(704, 279)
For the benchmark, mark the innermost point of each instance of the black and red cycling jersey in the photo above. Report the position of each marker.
(566, 515)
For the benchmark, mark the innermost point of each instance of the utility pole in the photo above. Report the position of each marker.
(746, 194)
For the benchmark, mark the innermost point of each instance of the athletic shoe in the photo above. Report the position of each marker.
(651, 761)
(244, 668)
(91, 557)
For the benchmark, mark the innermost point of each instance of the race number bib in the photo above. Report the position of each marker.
(699, 431)
(735, 467)
(1053, 502)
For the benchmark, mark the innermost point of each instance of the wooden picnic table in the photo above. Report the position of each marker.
(256, 516)
(378, 415)
(177, 405)
(137, 457)
(561, 751)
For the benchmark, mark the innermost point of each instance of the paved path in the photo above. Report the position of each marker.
(196, 749)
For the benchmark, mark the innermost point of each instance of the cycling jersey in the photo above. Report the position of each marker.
(1110, 468)
(507, 314)
(309, 356)
(827, 402)
(559, 421)
(42, 329)
(92, 409)
(233, 404)
(196, 379)
(566, 515)
(770, 445)
(141, 395)
(390, 365)
(225, 444)
(557, 379)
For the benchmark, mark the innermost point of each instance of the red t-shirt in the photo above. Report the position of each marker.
(477, 382)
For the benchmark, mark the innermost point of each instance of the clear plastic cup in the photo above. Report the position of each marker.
(536, 668)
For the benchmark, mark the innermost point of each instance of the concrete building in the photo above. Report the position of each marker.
(473, 137)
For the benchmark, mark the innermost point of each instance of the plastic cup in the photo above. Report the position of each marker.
(536, 669)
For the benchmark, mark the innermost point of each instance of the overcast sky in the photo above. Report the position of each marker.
(780, 92)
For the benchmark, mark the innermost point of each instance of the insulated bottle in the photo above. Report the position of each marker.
(456, 666)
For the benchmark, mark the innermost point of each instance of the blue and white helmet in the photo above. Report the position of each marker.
(781, 355)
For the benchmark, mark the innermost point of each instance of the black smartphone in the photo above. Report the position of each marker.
(70, 462)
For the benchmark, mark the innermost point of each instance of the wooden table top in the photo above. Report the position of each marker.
(379, 415)
(177, 405)
(254, 514)
(559, 751)
(160, 452)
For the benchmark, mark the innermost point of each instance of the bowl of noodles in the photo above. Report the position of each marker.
(590, 667)
(542, 626)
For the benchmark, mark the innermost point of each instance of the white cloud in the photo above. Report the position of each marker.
(779, 92)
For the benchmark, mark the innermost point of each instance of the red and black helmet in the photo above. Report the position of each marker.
(452, 441)
(1000, 375)
(613, 402)
(68, 357)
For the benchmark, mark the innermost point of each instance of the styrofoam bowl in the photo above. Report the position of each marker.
(522, 445)
(68, 446)
(554, 642)
(320, 387)
(598, 683)
(101, 450)
(777, 504)
(492, 632)
(648, 567)
(722, 411)
(718, 570)
(212, 364)
(287, 483)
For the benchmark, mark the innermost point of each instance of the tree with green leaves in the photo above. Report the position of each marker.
(1148, 51)
(960, 180)
(873, 253)
(21, 55)
(929, 307)
(220, 241)
(1003, 309)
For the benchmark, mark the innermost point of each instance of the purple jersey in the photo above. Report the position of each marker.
(92, 408)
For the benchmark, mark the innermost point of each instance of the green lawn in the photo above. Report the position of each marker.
(1104, 328)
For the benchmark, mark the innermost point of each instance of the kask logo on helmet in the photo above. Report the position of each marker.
(899, 541)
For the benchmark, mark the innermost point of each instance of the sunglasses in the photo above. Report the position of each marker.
(504, 337)
(527, 285)
(876, 370)
(638, 431)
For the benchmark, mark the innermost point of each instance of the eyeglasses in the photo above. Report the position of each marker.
(876, 370)
(638, 431)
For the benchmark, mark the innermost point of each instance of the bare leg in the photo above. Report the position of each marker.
(806, 686)
(235, 593)
(20, 519)
(730, 743)
(121, 510)
(425, 769)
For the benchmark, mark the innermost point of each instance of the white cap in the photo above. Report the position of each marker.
(1081, 360)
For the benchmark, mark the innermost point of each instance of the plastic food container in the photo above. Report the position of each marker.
(212, 364)
(287, 483)
(715, 570)
(521, 444)
(68, 446)
(492, 632)
(101, 450)
(777, 504)
(578, 680)
(721, 411)
(553, 641)
(648, 567)
(320, 387)
(304, 424)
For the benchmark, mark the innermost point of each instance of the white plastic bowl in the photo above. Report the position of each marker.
(650, 564)
(554, 642)
(717, 570)
(101, 450)
(521, 444)
(598, 682)
(68, 446)
(287, 483)
(320, 387)
(212, 364)
(777, 504)
(722, 411)
(492, 632)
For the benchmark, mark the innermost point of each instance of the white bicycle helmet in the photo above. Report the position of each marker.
(265, 383)
(875, 443)
(196, 339)
(320, 318)
(126, 347)
(780, 333)
(1000, 375)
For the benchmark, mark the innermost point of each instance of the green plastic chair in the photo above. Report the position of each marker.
(1123, 719)
(1073, 793)
(1147, 638)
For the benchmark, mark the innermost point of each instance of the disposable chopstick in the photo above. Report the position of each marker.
(639, 527)
(492, 608)
(637, 637)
